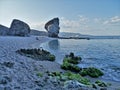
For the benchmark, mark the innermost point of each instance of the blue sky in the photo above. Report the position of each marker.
(95, 17)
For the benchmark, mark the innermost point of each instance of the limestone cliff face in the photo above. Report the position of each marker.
(19, 28)
(52, 27)
(3, 30)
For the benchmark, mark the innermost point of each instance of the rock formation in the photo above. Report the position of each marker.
(3, 30)
(52, 27)
(19, 28)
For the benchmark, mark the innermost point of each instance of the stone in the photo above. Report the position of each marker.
(3, 30)
(5, 79)
(73, 84)
(19, 28)
(52, 27)
(8, 64)
(7, 88)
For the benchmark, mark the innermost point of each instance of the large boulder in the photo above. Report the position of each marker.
(52, 27)
(19, 28)
(3, 30)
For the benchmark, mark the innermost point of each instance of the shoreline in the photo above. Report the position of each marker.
(20, 70)
(25, 68)
(115, 84)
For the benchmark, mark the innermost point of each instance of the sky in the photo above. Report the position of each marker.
(94, 17)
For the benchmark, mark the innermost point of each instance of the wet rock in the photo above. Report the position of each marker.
(37, 54)
(19, 28)
(52, 27)
(7, 88)
(39, 83)
(103, 88)
(8, 64)
(5, 79)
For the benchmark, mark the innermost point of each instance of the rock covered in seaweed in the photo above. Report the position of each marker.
(19, 28)
(52, 27)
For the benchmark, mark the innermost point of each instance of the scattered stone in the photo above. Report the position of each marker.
(19, 28)
(8, 64)
(52, 27)
(39, 83)
(5, 79)
(7, 88)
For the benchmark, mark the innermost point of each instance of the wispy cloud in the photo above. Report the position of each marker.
(83, 23)
(38, 25)
(113, 20)
(80, 22)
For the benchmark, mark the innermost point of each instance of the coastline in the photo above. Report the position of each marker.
(23, 73)
(115, 85)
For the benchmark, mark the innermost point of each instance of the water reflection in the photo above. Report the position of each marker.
(54, 45)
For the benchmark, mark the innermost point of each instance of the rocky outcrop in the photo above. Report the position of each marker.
(19, 28)
(38, 33)
(3, 30)
(52, 27)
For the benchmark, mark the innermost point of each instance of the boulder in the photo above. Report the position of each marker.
(3, 30)
(19, 28)
(52, 27)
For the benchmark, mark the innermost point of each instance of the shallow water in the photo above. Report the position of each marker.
(100, 53)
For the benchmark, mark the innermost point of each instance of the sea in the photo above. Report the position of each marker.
(100, 53)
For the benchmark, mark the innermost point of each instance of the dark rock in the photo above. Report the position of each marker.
(5, 79)
(103, 88)
(7, 88)
(94, 86)
(3, 30)
(37, 54)
(19, 28)
(8, 64)
(39, 83)
(52, 27)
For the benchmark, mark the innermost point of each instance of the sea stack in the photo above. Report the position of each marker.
(19, 28)
(52, 27)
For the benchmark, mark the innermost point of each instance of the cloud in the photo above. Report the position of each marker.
(83, 23)
(80, 22)
(112, 21)
(38, 25)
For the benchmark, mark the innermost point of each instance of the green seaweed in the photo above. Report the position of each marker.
(92, 72)
(70, 76)
(67, 66)
(101, 83)
(37, 54)
(39, 74)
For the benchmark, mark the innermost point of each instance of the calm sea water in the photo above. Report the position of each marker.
(100, 53)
